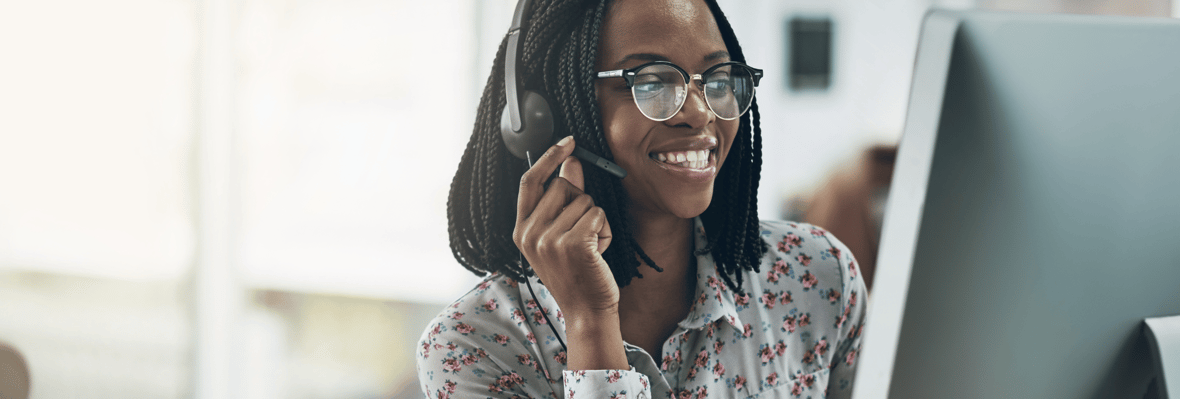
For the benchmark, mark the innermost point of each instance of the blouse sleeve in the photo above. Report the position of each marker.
(452, 363)
(613, 384)
(850, 324)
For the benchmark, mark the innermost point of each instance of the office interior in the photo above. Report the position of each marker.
(216, 198)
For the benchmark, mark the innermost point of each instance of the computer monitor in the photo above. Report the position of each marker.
(1034, 216)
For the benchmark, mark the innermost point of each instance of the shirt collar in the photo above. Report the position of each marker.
(714, 300)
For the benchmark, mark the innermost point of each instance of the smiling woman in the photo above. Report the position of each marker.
(646, 300)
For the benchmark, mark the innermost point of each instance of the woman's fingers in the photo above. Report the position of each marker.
(561, 208)
(532, 182)
(562, 233)
(573, 211)
(571, 170)
(593, 223)
(604, 234)
(555, 199)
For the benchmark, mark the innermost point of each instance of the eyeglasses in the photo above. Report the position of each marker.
(660, 87)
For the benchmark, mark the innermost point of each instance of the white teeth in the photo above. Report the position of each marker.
(689, 159)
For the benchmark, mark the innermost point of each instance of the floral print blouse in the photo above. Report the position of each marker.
(794, 333)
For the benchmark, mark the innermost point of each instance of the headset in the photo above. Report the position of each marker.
(527, 126)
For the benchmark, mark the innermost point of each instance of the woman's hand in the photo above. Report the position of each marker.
(563, 235)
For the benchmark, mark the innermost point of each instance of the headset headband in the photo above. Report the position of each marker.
(510, 86)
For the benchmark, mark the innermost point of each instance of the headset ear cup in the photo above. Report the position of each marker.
(536, 131)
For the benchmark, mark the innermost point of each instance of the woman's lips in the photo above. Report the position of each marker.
(693, 159)
(697, 170)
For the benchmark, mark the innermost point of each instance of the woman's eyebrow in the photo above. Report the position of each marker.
(717, 55)
(642, 57)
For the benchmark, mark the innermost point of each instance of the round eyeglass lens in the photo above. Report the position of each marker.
(729, 91)
(659, 91)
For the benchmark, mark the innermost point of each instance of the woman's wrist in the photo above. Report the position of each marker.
(595, 341)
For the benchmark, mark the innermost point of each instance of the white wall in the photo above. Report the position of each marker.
(808, 133)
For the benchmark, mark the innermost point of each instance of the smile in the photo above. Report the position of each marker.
(694, 167)
(698, 159)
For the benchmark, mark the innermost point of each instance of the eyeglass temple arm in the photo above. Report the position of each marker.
(611, 74)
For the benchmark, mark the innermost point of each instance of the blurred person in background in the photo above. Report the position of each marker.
(851, 204)
(663, 283)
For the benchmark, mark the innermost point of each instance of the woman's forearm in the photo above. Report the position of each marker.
(595, 342)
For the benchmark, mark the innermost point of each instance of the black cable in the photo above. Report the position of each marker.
(546, 315)
(529, 284)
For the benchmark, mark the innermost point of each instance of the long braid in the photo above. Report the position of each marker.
(557, 57)
(742, 247)
(472, 243)
(499, 181)
(758, 247)
(459, 198)
(483, 193)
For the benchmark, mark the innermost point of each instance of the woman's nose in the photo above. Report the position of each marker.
(695, 112)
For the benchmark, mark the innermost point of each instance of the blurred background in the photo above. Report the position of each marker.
(245, 198)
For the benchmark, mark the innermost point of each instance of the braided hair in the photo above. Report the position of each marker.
(560, 42)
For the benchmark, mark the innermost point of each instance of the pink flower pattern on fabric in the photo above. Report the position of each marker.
(496, 341)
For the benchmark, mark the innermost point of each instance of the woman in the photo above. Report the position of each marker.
(660, 284)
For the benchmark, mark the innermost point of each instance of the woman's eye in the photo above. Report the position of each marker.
(719, 84)
(648, 88)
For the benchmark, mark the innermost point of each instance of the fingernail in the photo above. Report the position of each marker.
(564, 141)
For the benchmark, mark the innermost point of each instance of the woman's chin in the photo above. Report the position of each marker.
(688, 208)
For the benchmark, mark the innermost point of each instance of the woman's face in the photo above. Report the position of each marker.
(682, 32)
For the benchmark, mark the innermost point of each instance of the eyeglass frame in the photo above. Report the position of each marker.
(629, 75)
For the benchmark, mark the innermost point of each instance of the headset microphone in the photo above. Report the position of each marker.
(527, 122)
